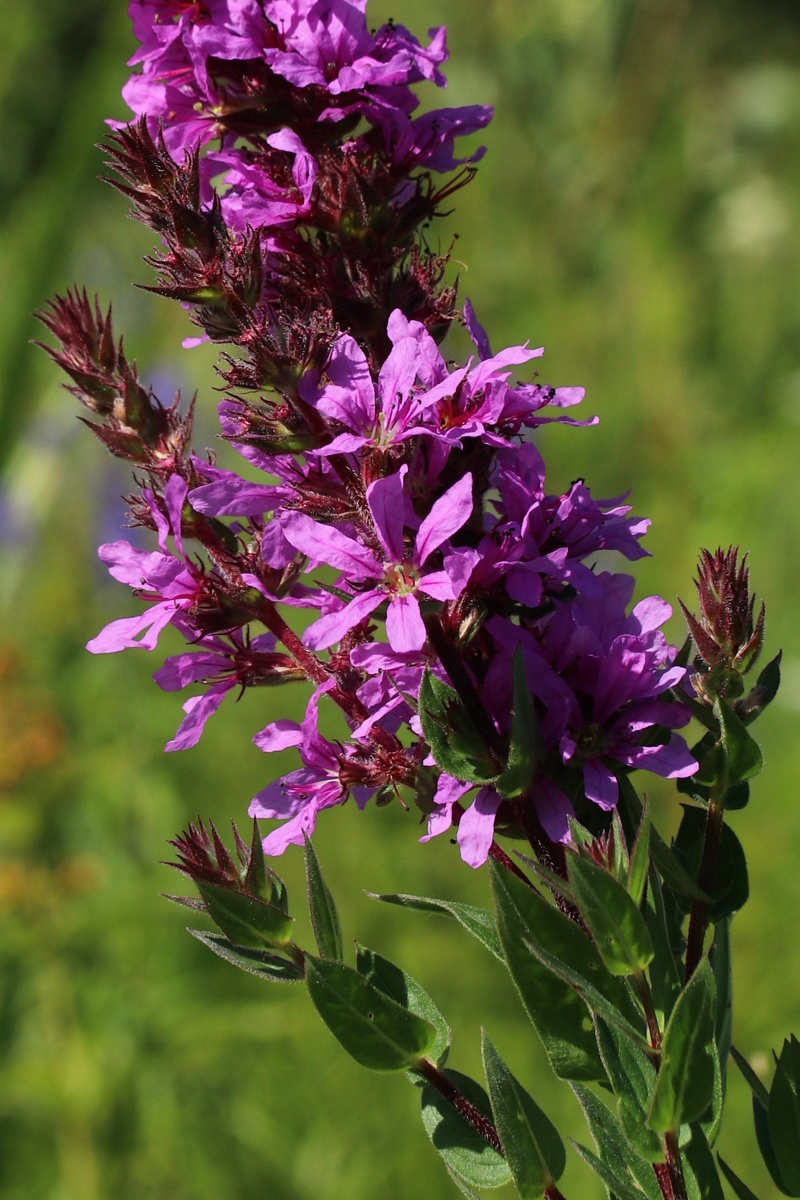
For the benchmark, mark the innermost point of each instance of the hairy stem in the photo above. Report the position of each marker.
(472, 1115)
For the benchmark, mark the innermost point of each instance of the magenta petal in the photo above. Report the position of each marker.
(323, 544)
(198, 709)
(279, 735)
(405, 628)
(334, 626)
(600, 784)
(476, 828)
(553, 807)
(387, 505)
(124, 634)
(291, 833)
(447, 516)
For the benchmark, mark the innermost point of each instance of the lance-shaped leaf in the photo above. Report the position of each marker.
(731, 886)
(558, 972)
(399, 986)
(451, 734)
(322, 909)
(720, 959)
(741, 1190)
(527, 746)
(632, 1077)
(465, 1153)
(624, 1172)
(245, 920)
(664, 920)
(784, 1116)
(375, 1030)
(761, 1104)
(534, 1151)
(685, 1081)
(611, 916)
(477, 921)
(640, 857)
(667, 863)
(257, 962)
(699, 1169)
(741, 750)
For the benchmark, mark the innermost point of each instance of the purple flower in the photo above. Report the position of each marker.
(395, 573)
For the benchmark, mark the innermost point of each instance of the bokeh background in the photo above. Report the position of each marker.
(637, 213)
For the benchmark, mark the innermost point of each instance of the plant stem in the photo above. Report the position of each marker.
(472, 1115)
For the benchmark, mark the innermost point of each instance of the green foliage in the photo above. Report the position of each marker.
(464, 1151)
(612, 918)
(534, 1151)
(377, 1031)
(685, 1083)
(449, 731)
(322, 909)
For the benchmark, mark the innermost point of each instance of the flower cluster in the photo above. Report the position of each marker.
(394, 495)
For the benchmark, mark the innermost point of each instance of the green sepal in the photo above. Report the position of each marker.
(611, 916)
(256, 962)
(527, 746)
(465, 1153)
(409, 994)
(321, 908)
(477, 921)
(450, 732)
(558, 973)
(245, 920)
(741, 750)
(626, 1175)
(699, 1169)
(374, 1029)
(741, 1189)
(731, 887)
(685, 1082)
(534, 1152)
(632, 1077)
(784, 1116)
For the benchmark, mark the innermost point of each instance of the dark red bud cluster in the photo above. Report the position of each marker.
(727, 635)
(135, 424)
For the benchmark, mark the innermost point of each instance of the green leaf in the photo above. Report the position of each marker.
(527, 748)
(731, 886)
(374, 1029)
(256, 962)
(399, 986)
(477, 921)
(640, 858)
(464, 1151)
(535, 1153)
(699, 1169)
(611, 916)
(784, 1115)
(767, 685)
(557, 1012)
(758, 1089)
(558, 971)
(321, 907)
(741, 1189)
(720, 958)
(664, 923)
(669, 867)
(449, 731)
(627, 1175)
(761, 1103)
(685, 1081)
(742, 751)
(245, 920)
(632, 1077)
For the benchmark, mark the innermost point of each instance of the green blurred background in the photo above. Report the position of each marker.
(637, 213)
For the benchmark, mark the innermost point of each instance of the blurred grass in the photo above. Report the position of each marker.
(637, 213)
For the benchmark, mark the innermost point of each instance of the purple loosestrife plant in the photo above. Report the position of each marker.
(489, 664)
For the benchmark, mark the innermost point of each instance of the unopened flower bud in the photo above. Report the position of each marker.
(727, 637)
